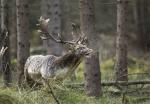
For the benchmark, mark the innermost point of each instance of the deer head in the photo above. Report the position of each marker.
(77, 46)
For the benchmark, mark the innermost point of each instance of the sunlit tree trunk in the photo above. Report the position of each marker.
(92, 68)
(5, 42)
(121, 49)
(22, 37)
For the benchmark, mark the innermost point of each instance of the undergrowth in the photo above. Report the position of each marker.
(68, 96)
(111, 95)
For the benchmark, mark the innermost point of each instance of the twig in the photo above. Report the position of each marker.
(51, 91)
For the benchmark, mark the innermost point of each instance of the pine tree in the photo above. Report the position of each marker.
(22, 37)
(92, 68)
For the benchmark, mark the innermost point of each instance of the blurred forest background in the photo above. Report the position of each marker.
(137, 41)
(106, 25)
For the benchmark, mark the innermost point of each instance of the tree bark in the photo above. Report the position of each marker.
(92, 68)
(53, 11)
(5, 42)
(66, 20)
(13, 29)
(121, 49)
(142, 23)
(44, 8)
(22, 37)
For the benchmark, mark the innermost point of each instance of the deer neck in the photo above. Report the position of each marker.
(69, 60)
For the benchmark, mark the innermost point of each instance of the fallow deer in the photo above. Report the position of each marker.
(53, 67)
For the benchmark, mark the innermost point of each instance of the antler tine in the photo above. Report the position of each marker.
(60, 40)
(49, 36)
(65, 42)
(81, 39)
(46, 35)
(84, 38)
(77, 40)
(76, 29)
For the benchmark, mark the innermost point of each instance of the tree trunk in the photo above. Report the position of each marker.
(121, 49)
(92, 68)
(13, 30)
(53, 11)
(22, 37)
(66, 21)
(5, 42)
(67, 28)
(142, 22)
(44, 8)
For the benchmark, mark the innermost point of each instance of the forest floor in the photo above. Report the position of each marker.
(136, 94)
(68, 96)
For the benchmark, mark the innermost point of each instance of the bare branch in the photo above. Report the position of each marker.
(113, 83)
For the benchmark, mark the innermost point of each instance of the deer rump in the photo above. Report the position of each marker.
(47, 67)
(38, 67)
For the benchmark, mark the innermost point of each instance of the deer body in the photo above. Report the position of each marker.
(51, 67)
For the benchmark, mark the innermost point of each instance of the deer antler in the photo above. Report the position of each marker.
(43, 24)
(50, 36)
(82, 38)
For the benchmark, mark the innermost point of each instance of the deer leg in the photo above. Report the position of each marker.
(51, 90)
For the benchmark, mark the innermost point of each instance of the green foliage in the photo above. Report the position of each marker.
(14, 61)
